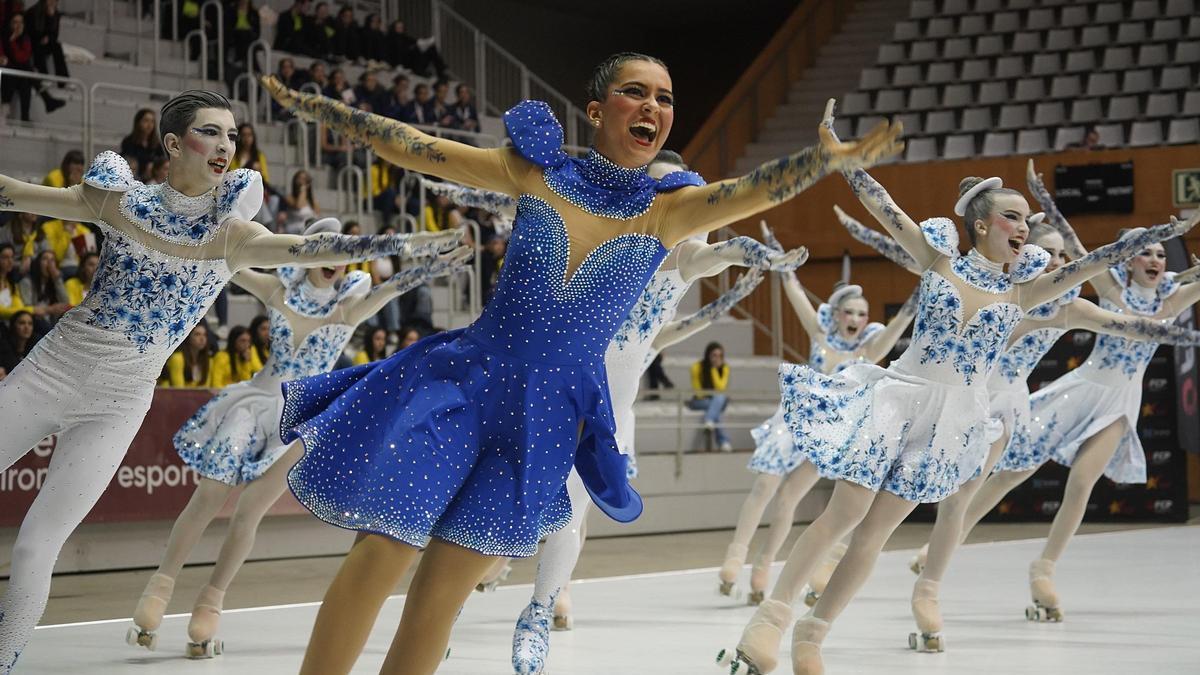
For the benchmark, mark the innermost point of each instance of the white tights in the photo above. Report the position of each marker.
(561, 549)
(207, 500)
(788, 491)
(96, 413)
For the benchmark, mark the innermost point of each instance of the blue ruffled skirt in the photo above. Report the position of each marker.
(454, 439)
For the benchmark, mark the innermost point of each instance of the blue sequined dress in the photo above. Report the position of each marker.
(234, 438)
(469, 435)
(1106, 388)
(774, 451)
(919, 428)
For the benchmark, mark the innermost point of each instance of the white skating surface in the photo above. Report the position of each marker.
(1131, 602)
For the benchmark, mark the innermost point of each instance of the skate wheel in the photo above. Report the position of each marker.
(218, 647)
(447, 656)
(934, 643)
(725, 588)
(915, 566)
(811, 597)
(152, 642)
(563, 623)
(131, 637)
(724, 657)
(755, 598)
(1031, 613)
(912, 641)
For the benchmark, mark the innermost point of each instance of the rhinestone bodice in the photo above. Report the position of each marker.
(316, 353)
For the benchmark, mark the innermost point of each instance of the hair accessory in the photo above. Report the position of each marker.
(960, 207)
(323, 225)
(1036, 219)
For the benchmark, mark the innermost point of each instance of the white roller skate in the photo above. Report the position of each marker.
(735, 557)
(917, 562)
(928, 615)
(531, 639)
(147, 617)
(758, 651)
(202, 628)
(562, 611)
(807, 636)
(760, 576)
(820, 577)
(1045, 605)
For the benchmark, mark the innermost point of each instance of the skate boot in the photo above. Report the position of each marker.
(760, 575)
(531, 639)
(1041, 586)
(202, 629)
(758, 651)
(917, 562)
(149, 612)
(490, 584)
(928, 615)
(807, 636)
(735, 557)
(820, 577)
(562, 611)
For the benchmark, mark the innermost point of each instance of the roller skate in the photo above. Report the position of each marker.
(492, 582)
(202, 629)
(807, 636)
(531, 639)
(1045, 606)
(820, 577)
(735, 557)
(928, 615)
(562, 611)
(917, 562)
(149, 612)
(760, 575)
(758, 651)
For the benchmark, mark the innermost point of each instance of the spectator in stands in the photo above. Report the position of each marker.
(238, 362)
(22, 336)
(420, 109)
(158, 172)
(339, 87)
(142, 142)
(408, 337)
(301, 205)
(440, 213)
(16, 51)
(260, 337)
(7, 9)
(374, 42)
(247, 155)
(490, 261)
(26, 237)
(351, 227)
(384, 196)
(657, 377)
(399, 97)
(68, 173)
(318, 73)
(41, 21)
(710, 377)
(10, 288)
(466, 117)
(417, 56)
(1090, 141)
(334, 148)
(441, 109)
(296, 78)
(70, 240)
(191, 364)
(369, 91)
(382, 269)
(79, 285)
(242, 27)
(320, 33)
(374, 347)
(135, 167)
(344, 42)
(43, 290)
(293, 27)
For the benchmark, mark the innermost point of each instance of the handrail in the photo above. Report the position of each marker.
(90, 104)
(444, 132)
(254, 85)
(476, 263)
(187, 53)
(794, 45)
(411, 226)
(303, 143)
(85, 129)
(317, 129)
(346, 191)
(220, 34)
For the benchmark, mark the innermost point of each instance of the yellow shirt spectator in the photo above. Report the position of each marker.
(262, 166)
(226, 370)
(177, 375)
(720, 377)
(10, 300)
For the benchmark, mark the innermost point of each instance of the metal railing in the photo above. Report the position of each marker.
(253, 89)
(187, 53)
(686, 422)
(85, 130)
(301, 134)
(239, 108)
(351, 190)
(215, 4)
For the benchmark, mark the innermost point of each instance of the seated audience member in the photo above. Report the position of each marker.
(466, 117)
(417, 56)
(191, 364)
(399, 96)
(158, 172)
(43, 290)
(238, 362)
(710, 379)
(260, 337)
(300, 205)
(343, 43)
(27, 238)
(490, 262)
(41, 21)
(16, 52)
(293, 26)
(143, 142)
(10, 287)
(374, 347)
(69, 240)
(409, 337)
(79, 285)
(22, 336)
(320, 32)
(69, 171)
(420, 109)
(374, 41)
(339, 87)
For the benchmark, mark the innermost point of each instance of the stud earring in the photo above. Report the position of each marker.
(596, 123)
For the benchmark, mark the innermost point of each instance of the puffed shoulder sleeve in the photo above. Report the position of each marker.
(1030, 263)
(942, 235)
(240, 195)
(110, 171)
(536, 133)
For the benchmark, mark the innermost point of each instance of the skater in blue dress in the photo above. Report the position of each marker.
(462, 443)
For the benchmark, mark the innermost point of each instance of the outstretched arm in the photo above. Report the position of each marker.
(881, 345)
(405, 280)
(805, 312)
(1191, 274)
(492, 202)
(1088, 316)
(677, 331)
(697, 210)
(401, 144)
(59, 203)
(1104, 284)
(1050, 286)
(884, 245)
(704, 260)
(252, 245)
(259, 284)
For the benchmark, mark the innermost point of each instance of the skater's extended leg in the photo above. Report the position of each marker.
(783, 512)
(206, 501)
(1087, 468)
(443, 581)
(989, 495)
(368, 575)
(749, 517)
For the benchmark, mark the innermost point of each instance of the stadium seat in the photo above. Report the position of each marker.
(1146, 133)
(1013, 117)
(1065, 136)
(1049, 114)
(998, 144)
(1184, 131)
(959, 146)
(1032, 141)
